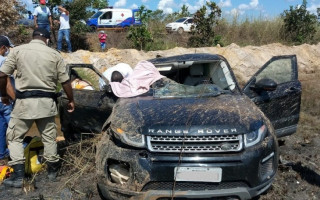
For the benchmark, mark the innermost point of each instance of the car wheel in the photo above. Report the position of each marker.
(180, 30)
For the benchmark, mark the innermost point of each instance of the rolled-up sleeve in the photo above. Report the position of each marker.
(62, 71)
(9, 65)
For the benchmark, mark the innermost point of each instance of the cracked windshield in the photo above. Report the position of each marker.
(197, 80)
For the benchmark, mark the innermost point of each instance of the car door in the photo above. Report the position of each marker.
(105, 20)
(93, 103)
(282, 103)
(188, 25)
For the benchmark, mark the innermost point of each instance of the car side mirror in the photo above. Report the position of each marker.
(266, 84)
(107, 88)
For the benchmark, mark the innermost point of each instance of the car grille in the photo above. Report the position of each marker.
(168, 28)
(184, 186)
(195, 144)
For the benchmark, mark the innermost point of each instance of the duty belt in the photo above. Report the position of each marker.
(36, 94)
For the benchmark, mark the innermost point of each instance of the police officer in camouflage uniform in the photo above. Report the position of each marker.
(39, 69)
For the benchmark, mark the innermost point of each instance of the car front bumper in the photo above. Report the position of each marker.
(152, 175)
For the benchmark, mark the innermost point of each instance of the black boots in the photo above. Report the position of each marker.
(53, 168)
(16, 178)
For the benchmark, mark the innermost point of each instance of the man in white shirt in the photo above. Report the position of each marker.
(64, 29)
(124, 69)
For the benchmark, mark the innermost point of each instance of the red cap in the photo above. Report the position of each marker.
(43, 2)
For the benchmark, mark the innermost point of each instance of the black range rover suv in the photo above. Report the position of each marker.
(194, 134)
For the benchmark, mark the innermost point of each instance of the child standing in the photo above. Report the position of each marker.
(102, 39)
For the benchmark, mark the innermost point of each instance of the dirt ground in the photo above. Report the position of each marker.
(299, 169)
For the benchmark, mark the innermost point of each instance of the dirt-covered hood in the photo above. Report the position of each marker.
(225, 113)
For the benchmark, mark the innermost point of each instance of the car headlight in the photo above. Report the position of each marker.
(132, 139)
(254, 137)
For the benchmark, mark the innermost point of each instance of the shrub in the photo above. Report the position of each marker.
(140, 35)
(9, 13)
(299, 24)
(78, 36)
(203, 31)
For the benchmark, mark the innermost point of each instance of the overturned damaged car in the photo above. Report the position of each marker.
(194, 134)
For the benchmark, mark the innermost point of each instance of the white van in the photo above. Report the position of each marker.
(113, 18)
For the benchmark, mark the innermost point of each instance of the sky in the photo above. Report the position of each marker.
(248, 8)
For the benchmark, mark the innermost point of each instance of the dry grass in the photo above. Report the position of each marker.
(250, 32)
(115, 39)
(309, 124)
(78, 168)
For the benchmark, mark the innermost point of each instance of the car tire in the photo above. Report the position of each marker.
(101, 195)
(180, 30)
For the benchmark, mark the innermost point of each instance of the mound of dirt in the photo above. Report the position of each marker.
(245, 61)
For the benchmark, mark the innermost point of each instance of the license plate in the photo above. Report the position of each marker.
(198, 174)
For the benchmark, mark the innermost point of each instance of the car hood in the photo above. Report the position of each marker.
(225, 113)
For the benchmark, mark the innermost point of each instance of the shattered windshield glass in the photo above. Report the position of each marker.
(173, 89)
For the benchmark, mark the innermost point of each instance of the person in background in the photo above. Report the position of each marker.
(64, 29)
(42, 16)
(30, 16)
(36, 84)
(5, 110)
(102, 39)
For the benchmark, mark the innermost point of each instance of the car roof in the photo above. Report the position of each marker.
(196, 57)
(114, 9)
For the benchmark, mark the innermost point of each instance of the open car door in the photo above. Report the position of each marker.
(93, 103)
(276, 90)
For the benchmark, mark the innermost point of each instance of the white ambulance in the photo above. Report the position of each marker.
(114, 18)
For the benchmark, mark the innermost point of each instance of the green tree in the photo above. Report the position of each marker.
(99, 4)
(156, 23)
(184, 11)
(202, 32)
(140, 35)
(157, 15)
(299, 24)
(171, 17)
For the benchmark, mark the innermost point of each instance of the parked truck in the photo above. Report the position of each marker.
(114, 18)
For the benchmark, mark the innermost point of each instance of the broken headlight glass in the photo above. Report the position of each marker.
(132, 139)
